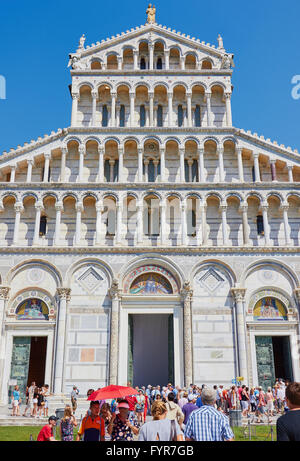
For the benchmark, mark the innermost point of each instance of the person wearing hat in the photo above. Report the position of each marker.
(121, 427)
(46, 433)
(189, 407)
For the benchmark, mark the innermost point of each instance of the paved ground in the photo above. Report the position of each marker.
(7, 420)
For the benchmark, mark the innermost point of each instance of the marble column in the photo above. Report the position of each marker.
(239, 297)
(183, 207)
(265, 208)
(64, 151)
(290, 173)
(30, 163)
(189, 109)
(146, 163)
(18, 210)
(203, 208)
(120, 60)
(273, 170)
(100, 177)
(223, 207)
(151, 108)
(140, 222)
(201, 165)
(239, 151)
(244, 210)
(182, 168)
(119, 222)
(190, 169)
(228, 109)
(75, 99)
(46, 167)
(167, 59)
(64, 295)
(170, 109)
(135, 59)
(186, 297)
(38, 209)
(4, 297)
(113, 109)
(163, 221)
(81, 163)
(94, 106)
(284, 208)
(13, 173)
(208, 109)
(59, 206)
(99, 211)
(79, 209)
(256, 167)
(115, 294)
(111, 170)
(140, 164)
(151, 55)
(221, 164)
(121, 159)
(162, 164)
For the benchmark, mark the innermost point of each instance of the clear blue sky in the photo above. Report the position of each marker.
(37, 36)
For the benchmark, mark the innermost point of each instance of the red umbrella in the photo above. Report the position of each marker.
(113, 392)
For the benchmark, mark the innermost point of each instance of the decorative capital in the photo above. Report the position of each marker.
(59, 206)
(79, 206)
(239, 294)
(19, 207)
(4, 293)
(186, 291)
(297, 294)
(64, 293)
(114, 290)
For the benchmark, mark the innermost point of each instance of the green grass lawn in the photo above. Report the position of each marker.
(22, 434)
(258, 433)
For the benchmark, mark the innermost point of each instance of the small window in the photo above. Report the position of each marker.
(142, 116)
(104, 116)
(43, 226)
(159, 116)
(143, 64)
(260, 225)
(159, 63)
(180, 115)
(122, 116)
(197, 116)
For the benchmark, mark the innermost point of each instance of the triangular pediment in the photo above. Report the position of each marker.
(150, 32)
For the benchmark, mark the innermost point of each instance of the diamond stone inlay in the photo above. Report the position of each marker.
(90, 280)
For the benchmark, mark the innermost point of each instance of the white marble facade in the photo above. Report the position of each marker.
(150, 176)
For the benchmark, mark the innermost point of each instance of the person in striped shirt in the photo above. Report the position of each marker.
(208, 424)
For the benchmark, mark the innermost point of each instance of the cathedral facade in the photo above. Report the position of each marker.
(151, 241)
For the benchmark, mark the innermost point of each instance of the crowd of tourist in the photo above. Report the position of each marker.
(36, 401)
(192, 414)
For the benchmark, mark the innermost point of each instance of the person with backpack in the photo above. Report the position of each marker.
(160, 428)
(67, 425)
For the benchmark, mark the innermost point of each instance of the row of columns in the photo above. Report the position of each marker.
(186, 293)
(150, 58)
(141, 159)
(201, 232)
(132, 96)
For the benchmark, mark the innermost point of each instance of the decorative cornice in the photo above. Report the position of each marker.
(201, 251)
(167, 31)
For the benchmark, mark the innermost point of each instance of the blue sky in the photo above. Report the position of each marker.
(36, 38)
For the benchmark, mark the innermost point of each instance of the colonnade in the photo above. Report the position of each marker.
(196, 158)
(151, 219)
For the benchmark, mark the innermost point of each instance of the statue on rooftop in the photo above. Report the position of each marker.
(151, 14)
